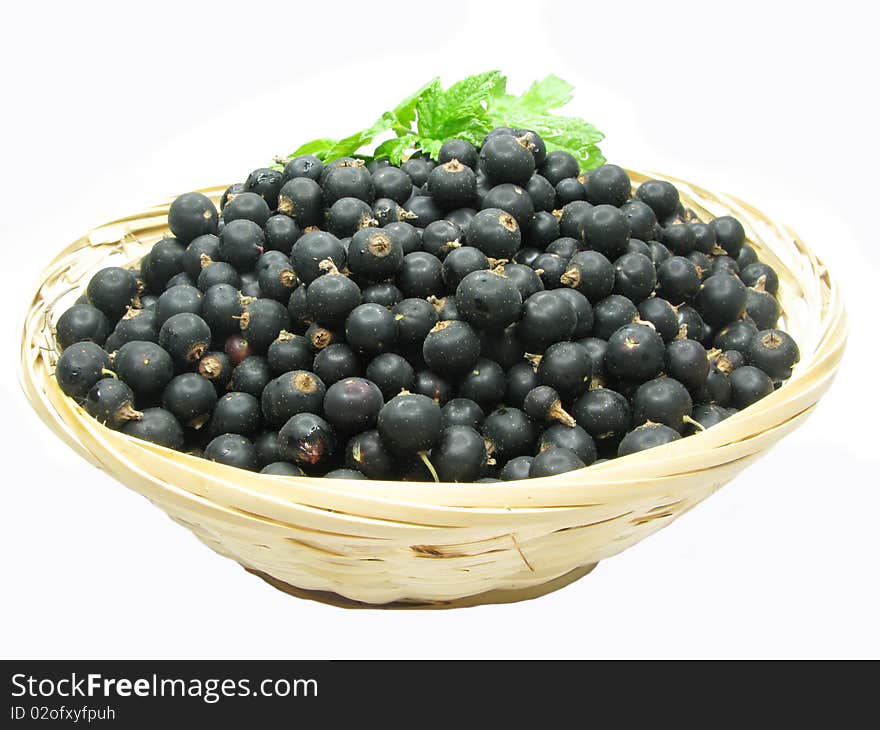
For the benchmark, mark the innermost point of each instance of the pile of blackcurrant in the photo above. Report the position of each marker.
(492, 314)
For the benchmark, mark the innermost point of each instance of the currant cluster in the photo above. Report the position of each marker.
(491, 314)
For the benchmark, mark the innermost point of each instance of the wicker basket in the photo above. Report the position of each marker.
(415, 544)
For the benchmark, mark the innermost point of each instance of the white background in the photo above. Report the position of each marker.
(110, 107)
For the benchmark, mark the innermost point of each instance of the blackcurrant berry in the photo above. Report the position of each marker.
(157, 426)
(590, 273)
(191, 398)
(635, 353)
(145, 367)
(301, 199)
(462, 412)
(736, 336)
(111, 402)
(232, 449)
(542, 193)
(608, 184)
(415, 318)
(236, 413)
(462, 261)
(546, 319)
(335, 362)
(774, 352)
(292, 393)
(192, 215)
(541, 230)
(217, 368)
(509, 433)
(660, 196)
(303, 166)
(544, 405)
(678, 280)
(569, 189)
(391, 373)
(385, 294)
(495, 232)
(366, 453)
(511, 199)
(251, 375)
(459, 454)
(551, 268)
(559, 165)
(441, 237)
(721, 299)
(421, 275)
(634, 276)
(241, 243)
(348, 215)
(311, 250)
(289, 352)
(282, 468)
(753, 273)
(485, 384)
(392, 183)
(573, 438)
(82, 323)
(523, 277)
(748, 385)
(423, 210)
(612, 313)
(214, 273)
(352, 405)
(410, 423)
(516, 469)
(662, 400)
(647, 436)
(662, 315)
(521, 379)
(418, 169)
(451, 348)
(729, 234)
(603, 413)
(373, 255)
(488, 300)
(680, 239)
(112, 290)
(164, 261)
(458, 149)
(408, 236)
(687, 361)
(452, 184)
(262, 321)
(371, 330)
(247, 206)
(266, 183)
(507, 159)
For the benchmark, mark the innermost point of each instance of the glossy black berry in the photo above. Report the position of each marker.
(348, 215)
(754, 273)
(635, 353)
(521, 379)
(191, 398)
(509, 432)
(596, 351)
(662, 400)
(590, 273)
(292, 393)
(612, 313)
(516, 469)
(569, 189)
(301, 199)
(185, 337)
(391, 373)
(704, 237)
(236, 413)
(410, 423)
(251, 375)
(371, 329)
(523, 277)
(504, 347)
(680, 239)
(603, 413)
(111, 402)
(462, 412)
(460, 262)
(221, 310)
(496, 233)
(452, 184)
(647, 436)
(82, 323)
(488, 300)
(608, 184)
(392, 183)
(748, 385)
(266, 183)
(566, 367)
(145, 367)
(262, 321)
(642, 220)
(559, 165)
(374, 255)
(319, 338)
(692, 323)
(688, 362)
(459, 454)
(164, 261)
(451, 348)
(564, 247)
(662, 315)
(678, 280)
(606, 230)
(289, 352)
(218, 272)
(311, 250)
(774, 352)
(543, 404)
(335, 362)
(277, 281)
(366, 453)
(112, 290)
(241, 243)
(282, 468)
(512, 199)
(281, 233)
(441, 237)
(706, 415)
(541, 230)
(721, 299)
(408, 236)
(736, 336)
(418, 169)
(546, 319)
(542, 193)
(136, 324)
(303, 166)
(634, 276)
(729, 234)
(507, 159)
(192, 215)
(385, 294)
(247, 206)
(237, 348)
(573, 438)
(485, 383)
(232, 449)
(421, 275)
(660, 196)
(157, 426)
(762, 308)
(217, 368)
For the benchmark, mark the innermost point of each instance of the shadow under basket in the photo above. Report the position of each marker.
(406, 544)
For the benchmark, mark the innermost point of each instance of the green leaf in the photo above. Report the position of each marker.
(405, 111)
(550, 93)
(317, 147)
(349, 145)
(395, 148)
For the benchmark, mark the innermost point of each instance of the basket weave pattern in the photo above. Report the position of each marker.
(428, 544)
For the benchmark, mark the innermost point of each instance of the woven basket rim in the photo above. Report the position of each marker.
(813, 374)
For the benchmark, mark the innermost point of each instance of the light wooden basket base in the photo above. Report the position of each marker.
(356, 543)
